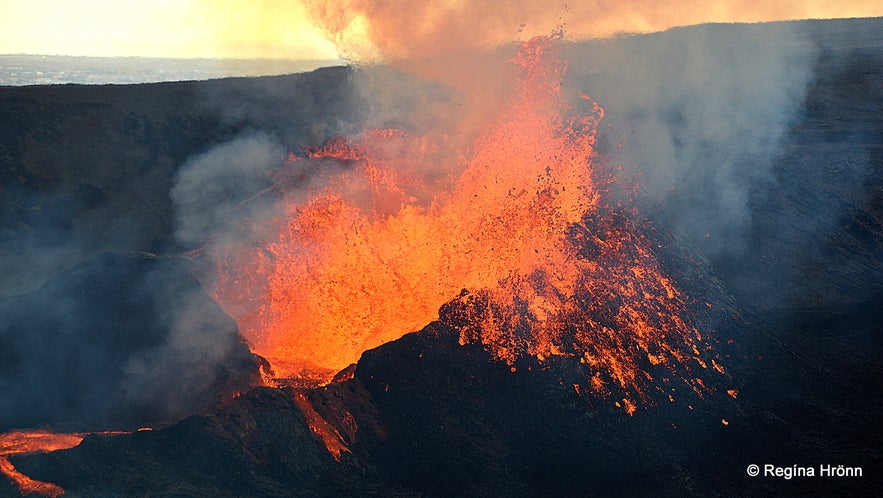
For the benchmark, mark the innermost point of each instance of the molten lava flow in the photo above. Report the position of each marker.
(15, 442)
(551, 269)
(320, 428)
(39, 441)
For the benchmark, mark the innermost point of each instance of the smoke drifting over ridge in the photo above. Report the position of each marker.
(699, 114)
(213, 188)
(465, 45)
(714, 122)
(702, 114)
(401, 30)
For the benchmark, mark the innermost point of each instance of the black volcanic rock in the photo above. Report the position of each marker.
(258, 445)
(426, 416)
(121, 340)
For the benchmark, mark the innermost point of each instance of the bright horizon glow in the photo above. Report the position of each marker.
(219, 29)
(283, 29)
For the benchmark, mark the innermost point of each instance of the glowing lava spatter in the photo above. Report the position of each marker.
(550, 268)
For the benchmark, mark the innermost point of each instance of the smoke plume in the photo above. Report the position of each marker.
(399, 30)
(216, 186)
(121, 340)
(699, 113)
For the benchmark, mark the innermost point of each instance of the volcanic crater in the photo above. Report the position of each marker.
(554, 323)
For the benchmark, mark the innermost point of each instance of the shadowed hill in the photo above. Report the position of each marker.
(88, 169)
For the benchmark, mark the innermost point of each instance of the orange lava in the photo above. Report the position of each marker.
(16, 442)
(320, 428)
(542, 264)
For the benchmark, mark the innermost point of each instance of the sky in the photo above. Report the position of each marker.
(287, 29)
(273, 29)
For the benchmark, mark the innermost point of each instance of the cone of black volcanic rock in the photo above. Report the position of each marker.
(120, 340)
(428, 415)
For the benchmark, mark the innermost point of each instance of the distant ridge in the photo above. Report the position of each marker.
(37, 69)
(29, 69)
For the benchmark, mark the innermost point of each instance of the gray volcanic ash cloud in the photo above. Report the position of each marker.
(101, 325)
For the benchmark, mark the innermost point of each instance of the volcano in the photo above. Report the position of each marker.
(594, 325)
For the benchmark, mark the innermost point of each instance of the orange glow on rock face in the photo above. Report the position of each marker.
(542, 264)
